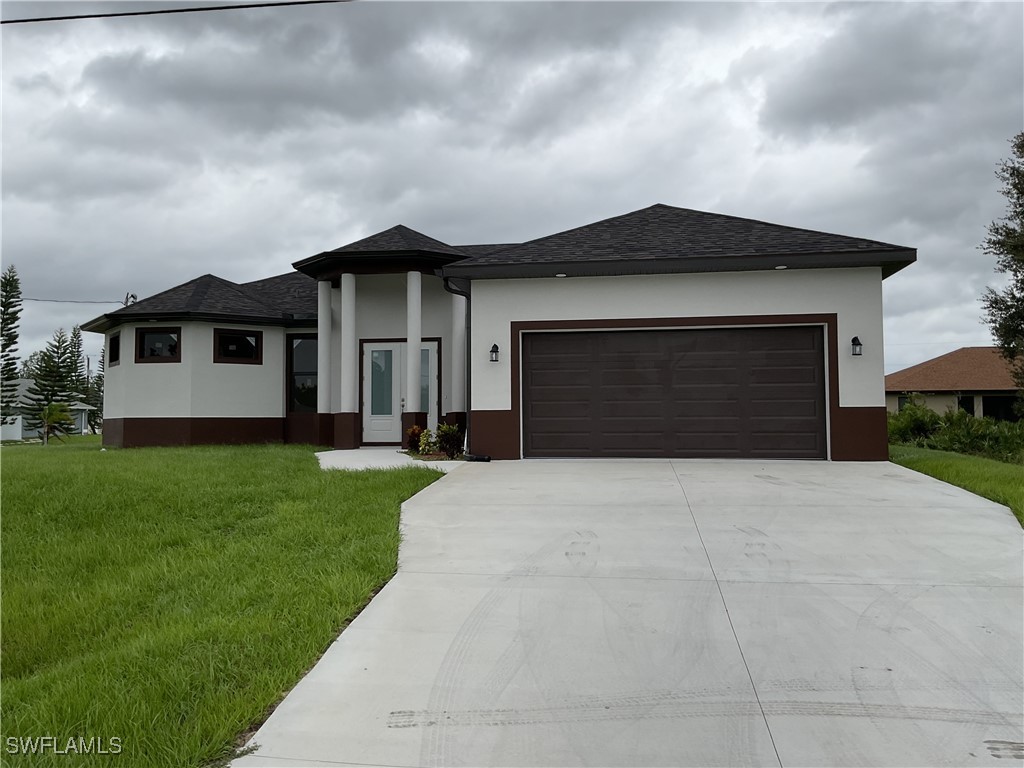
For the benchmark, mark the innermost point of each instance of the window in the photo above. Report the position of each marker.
(157, 345)
(231, 346)
(965, 403)
(999, 407)
(901, 402)
(114, 349)
(302, 374)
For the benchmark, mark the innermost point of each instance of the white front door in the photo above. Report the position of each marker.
(384, 389)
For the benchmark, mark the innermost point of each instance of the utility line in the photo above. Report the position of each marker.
(164, 11)
(72, 301)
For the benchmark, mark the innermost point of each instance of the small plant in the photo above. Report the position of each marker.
(414, 434)
(428, 442)
(449, 440)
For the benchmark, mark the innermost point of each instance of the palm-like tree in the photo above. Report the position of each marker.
(55, 420)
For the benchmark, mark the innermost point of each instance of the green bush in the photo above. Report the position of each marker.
(913, 424)
(428, 442)
(959, 432)
(449, 440)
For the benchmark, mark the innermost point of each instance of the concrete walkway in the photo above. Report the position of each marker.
(678, 613)
(379, 457)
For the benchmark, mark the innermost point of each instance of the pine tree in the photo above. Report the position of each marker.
(77, 381)
(53, 378)
(1004, 309)
(30, 365)
(94, 397)
(10, 315)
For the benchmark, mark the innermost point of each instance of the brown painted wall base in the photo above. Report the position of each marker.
(410, 419)
(458, 418)
(143, 432)
(860, 434)
(494, 434)
(348, 433)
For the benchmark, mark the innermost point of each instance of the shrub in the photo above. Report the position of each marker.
(414, 434)
(913, 424)
(449, 440)
(428, 442)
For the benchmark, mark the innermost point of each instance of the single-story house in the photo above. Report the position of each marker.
(18, 430)
(661, 332)
(974, 379)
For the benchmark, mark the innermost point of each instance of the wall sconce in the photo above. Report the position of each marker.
(857, 349)
(494, 353)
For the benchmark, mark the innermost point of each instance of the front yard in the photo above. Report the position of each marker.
(166, 598)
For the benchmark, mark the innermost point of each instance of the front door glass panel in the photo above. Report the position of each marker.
(381, 378)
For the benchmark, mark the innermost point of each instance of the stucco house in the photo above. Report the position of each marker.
(973, 379)
(661, 332)
(17, 429)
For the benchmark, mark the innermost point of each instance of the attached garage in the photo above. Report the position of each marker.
(678, 393)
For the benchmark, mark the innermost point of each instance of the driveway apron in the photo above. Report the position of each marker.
(677, 613)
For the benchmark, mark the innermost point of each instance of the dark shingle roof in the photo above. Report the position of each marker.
(399, 239)
(663, 233)
(481, 250)
(969, 369)
(273, 300)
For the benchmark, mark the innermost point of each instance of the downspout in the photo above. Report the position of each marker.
(460, 286)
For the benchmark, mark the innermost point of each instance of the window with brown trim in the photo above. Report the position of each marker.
(114, 350)
(158, 345)
(234, 346)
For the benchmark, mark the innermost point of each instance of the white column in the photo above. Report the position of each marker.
(413, 338)
(458, 354)
(349, 346)
(323, 346)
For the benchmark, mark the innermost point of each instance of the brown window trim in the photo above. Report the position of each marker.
(217, 358)
(161, 329)
(111, 362)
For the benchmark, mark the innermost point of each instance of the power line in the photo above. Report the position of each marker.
(164, 11)
(72, 301)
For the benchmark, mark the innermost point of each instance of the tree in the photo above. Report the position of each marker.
(52, 383)
(78, 381)
(94, 397)
(54, 421)
(1004, 309)
(30, 365)
(10, 315)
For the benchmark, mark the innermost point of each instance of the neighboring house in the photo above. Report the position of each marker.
(974, 379)
(662, 332)
(19, 430)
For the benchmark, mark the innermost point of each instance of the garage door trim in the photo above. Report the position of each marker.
(827, 321)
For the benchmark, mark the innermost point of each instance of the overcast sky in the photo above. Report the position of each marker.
(139, 153)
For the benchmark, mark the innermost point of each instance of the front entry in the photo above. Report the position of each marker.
(383, 390)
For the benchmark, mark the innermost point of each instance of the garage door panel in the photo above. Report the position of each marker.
(753, 392)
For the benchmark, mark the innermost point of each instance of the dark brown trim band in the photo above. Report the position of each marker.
(146, 432)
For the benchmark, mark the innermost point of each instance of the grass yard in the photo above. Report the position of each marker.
(995, 480)
(168, 597)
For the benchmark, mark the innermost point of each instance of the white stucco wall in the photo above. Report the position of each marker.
(196, 386)
(380, 314)
(854, 295)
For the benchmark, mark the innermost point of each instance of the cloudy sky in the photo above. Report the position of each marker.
(139, 153)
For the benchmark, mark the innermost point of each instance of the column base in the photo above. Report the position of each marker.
(348, 433)
(457, 418)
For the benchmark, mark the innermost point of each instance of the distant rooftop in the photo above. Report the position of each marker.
(969, 369)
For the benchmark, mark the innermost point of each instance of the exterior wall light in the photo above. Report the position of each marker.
(857, 349)
(494, 353)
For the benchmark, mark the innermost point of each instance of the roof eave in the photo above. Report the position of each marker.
(330, 265)
(890, 262)
(104, 323)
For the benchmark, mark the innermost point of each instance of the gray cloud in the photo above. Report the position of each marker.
(139, 153)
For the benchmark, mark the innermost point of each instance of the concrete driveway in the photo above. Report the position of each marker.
(678, 613)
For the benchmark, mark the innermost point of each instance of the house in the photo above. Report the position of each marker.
(18, 430)
(974, 379)
(661, 332)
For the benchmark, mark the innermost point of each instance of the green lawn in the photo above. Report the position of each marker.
(992, 479)
(168, 597)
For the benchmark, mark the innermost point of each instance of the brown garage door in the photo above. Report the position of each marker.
(729, 393)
